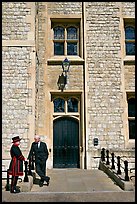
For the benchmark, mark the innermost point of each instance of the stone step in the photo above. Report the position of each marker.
(97, 196)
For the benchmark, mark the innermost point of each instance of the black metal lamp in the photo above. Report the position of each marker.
(65, 65)
(62, 81)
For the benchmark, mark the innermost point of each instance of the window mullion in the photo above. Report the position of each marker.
(65, 43)
(65, 106)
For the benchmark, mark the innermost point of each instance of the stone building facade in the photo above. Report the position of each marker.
(101, 77)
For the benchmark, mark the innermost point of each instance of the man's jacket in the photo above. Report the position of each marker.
(40, 153)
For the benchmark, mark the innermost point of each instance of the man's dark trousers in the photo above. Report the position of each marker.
(41, 168)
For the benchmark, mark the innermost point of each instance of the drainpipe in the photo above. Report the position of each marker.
(85, 83)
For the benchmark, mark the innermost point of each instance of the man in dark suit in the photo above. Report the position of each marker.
(40, 152)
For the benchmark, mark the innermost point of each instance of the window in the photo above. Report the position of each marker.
(129, 38)
(59, 105)
(70, 105)
(131, 117)
(66, 39)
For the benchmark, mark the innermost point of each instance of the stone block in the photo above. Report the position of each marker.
(26, 186)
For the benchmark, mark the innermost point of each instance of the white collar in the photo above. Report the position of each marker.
(38, 143)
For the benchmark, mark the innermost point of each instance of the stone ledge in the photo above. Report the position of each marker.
(125, 185)
(26, 186)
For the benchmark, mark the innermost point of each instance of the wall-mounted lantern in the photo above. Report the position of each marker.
(65, 65)
(62, 81)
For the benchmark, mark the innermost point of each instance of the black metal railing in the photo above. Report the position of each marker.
(105, 157)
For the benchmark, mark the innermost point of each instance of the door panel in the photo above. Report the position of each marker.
(66, 143)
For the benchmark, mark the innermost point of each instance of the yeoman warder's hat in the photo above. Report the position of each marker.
(16, 139)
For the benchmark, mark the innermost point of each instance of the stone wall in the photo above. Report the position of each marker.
(64, 8)
(129, 77)
(14, 24)
(15, 93)
(104, 68)
(18, 75)
(106, 103)
(128, 8)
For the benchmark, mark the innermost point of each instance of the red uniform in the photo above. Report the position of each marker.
(16, 164)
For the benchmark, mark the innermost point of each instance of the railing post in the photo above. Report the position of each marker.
(118, 165)
(103, 154)
(26, 173)
(32, 164)
(126, 170)
(7, 184)
(113, 166)
(30, 167)
(107, 156)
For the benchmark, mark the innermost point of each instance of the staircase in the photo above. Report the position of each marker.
(74, 185)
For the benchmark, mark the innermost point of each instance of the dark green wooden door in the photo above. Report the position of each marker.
(66, 143)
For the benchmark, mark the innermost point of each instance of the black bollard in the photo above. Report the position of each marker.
(30, 167)
(118, 165)
(113, 166)
(126, 170)
(32, 164)
(26, 179)
(103, 154)
(107, 156)
(7, 185)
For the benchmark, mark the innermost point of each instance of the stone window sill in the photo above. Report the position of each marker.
(59, 59)
(129, 58)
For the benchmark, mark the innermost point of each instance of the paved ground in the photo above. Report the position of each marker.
(73, 185)
(77, 180)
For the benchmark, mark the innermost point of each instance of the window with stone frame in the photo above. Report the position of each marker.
(66, 38)
(129, 26)
(131, 116)
(65, 105)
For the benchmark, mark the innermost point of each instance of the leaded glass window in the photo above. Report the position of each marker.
(72, 105)
(131, 107)
(58, 48)
(59, 33)
(72, 48)
(131, 117)
(59, 105)
(66, 105)
(131, 129)
(66, 40)
(72, 33)
(130, 40)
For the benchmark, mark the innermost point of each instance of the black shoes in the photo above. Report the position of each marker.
(46, 178)
(41, 183)
(15, 191)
